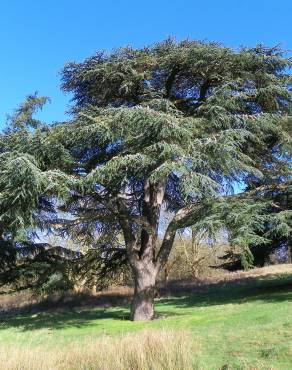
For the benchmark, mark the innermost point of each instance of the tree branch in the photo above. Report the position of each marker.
(170, 81)
(129, 236)
(183, 218)
(151, 207)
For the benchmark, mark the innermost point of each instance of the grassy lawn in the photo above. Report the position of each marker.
(248, 326)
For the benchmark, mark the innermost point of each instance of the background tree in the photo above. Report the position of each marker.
(273, 230)
(32, 177)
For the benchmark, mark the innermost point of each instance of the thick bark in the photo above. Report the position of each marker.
(151, 207)
(143, 300)
(289, 250)
(141, 253)
(144, 268)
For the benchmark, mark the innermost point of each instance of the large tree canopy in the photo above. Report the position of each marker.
(173, 128)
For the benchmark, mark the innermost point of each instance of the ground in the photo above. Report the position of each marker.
(244, 323)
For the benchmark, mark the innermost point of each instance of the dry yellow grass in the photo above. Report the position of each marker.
(256, 272)
(155, 350)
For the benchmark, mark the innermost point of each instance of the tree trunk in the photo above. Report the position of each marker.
(166, 275)
(143, 300)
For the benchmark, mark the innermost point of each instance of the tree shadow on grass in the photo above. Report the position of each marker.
(60, 320)
(256, 289)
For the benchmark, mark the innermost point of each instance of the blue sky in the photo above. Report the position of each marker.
(38, 37)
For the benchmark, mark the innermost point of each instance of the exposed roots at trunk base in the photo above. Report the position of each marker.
(143, 305)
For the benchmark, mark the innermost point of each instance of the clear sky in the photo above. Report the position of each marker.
(38, 37)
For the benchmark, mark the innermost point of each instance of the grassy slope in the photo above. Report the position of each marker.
(246, 326)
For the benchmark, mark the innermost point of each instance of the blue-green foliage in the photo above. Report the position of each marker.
(186, 120)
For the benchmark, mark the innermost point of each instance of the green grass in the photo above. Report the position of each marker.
(247, 326)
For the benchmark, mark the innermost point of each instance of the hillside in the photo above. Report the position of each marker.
(241, 324)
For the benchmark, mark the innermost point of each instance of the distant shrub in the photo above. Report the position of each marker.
(193, 258)
(57, 282)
